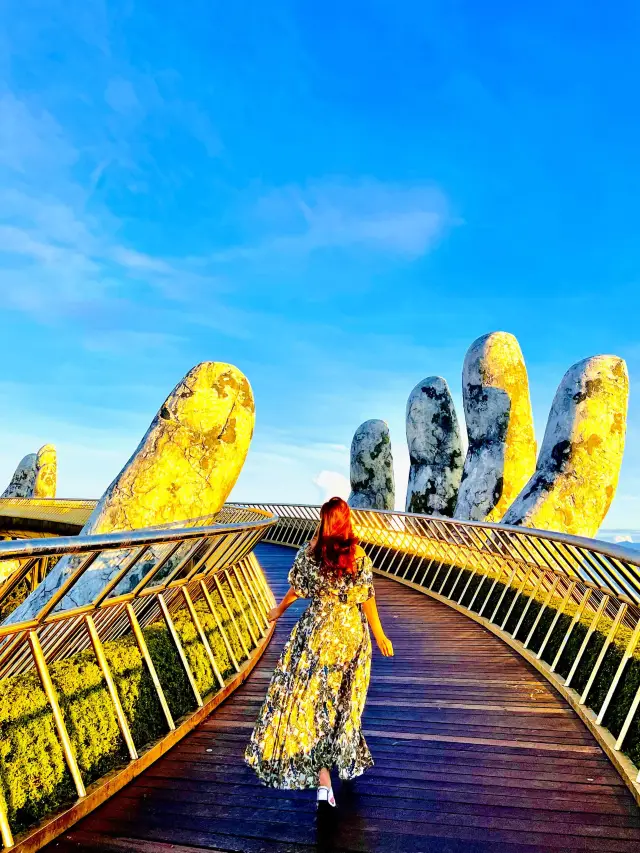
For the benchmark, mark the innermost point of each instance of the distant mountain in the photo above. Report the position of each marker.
(628, 538)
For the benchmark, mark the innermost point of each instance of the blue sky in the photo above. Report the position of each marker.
(337, 198)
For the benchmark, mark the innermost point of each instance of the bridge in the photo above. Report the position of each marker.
(508, 718)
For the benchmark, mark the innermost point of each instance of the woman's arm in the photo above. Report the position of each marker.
(276, 612)
(371, 612)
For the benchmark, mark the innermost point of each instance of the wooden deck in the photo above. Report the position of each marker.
(474, 753)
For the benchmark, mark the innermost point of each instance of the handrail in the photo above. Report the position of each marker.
(55, 546)
(31, 553)
(617, 579)
(565, 603)
(154, 574)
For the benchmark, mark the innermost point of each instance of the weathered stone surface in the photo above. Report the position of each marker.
(184, 468)
(372, 483)
(502, 449)
(581, 454)
(435, 449)
(46, 472)
(23, 480)
(35, 476)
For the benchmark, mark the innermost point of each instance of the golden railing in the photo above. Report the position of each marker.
(569, 605)
(44, 515)
(176, 568)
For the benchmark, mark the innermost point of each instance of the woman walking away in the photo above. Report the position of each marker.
(310, 720)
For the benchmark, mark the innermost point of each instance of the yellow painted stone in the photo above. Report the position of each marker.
(504, 367)
(183, 470)
(189, 459)
(46, 472)
(581, 454)
(502, 448)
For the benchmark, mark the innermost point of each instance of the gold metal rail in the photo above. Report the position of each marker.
(155, 573)
(535, 589)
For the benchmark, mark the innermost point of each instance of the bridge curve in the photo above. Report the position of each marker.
(474, 751)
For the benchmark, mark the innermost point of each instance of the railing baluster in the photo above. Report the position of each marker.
(516, 597)
(144, 651)
(541, 611)
(506, 588)
(576, 618)
(628, 654)
(179, 648)
(207, 597)
(201, 633)
(5, 829)
(555, 619)
(238, 576)
(252, 587)
(627, 722)
(605, 646)
(243, 614)
(111, 687)
(52, 698)
(231, 615)
(585, 642)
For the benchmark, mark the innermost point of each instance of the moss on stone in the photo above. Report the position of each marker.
(34, 779)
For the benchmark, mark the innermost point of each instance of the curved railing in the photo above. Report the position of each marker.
(43, 516)
(193, 581)
(569, 605)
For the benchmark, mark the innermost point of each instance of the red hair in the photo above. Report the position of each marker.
(335, 548)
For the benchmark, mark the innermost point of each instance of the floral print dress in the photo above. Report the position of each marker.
(311, 716)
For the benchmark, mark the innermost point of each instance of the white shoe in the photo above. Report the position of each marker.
(325, 795)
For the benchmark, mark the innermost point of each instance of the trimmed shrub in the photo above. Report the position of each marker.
(630, 680)
(34, 778)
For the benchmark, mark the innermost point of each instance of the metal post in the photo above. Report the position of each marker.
(628, 653)
(202, 635)
(628, 720)
(574, 622)
(238, 575)
(258, 582)
(219, 626)
(515, 598)
(585, 642)
(181, 653)
(554, 621)
(610, 636)
(50, 692)
(540, 612)
(5, 829)
(144, 651)
(111, 687)
(241, 608)
(254, 589)
(223, 597)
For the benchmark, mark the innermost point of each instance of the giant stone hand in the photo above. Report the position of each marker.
(184, 468)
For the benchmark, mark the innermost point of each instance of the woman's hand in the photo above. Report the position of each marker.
(385, 645)
(274, 614)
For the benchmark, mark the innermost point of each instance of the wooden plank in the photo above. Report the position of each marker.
(474, 752)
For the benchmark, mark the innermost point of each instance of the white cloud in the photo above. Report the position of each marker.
(397, 219)
(332, 484)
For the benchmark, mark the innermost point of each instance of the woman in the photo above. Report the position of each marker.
(310, 719)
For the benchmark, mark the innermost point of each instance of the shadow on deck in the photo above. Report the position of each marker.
(474, 752)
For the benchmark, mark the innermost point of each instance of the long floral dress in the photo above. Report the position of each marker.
(311, 716)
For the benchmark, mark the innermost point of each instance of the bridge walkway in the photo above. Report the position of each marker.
(474, 751)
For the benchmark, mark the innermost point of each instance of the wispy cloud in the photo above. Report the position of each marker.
(59, 247)
(401, 220)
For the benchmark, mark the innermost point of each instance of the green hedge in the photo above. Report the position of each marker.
(628, 685)
(15, 598)
(34, 779)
